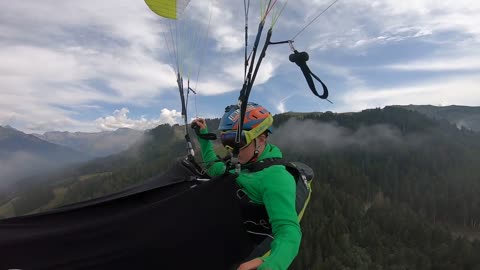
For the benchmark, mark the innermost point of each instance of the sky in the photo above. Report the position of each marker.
(101, 65)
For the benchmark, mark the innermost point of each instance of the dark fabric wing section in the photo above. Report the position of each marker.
(178, 226)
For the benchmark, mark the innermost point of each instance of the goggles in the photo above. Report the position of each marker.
(228, 139)
(247, 136)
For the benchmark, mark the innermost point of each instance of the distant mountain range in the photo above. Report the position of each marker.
(22, 155)
(26, 155)
(99, 144)
(461, 116)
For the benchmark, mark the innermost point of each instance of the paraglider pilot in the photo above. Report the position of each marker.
(273, 187)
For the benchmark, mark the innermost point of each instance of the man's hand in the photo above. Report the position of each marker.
(200, 122)
(251, 265)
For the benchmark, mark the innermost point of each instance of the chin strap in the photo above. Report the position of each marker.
(255, 154)
(234, 165)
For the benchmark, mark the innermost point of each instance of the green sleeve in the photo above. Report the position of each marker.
(209, 155)
(279, 193)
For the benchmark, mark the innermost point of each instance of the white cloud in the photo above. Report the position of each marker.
(120, 119)
(231, 79)
(266, 72)
(451, 90)
(46, 88)
(363, 22)
(170, 116)
(235, 71)
(345, 72)
(461, 63)
(280, 105)
(36, 111)
(216, 87)
(222, 19)
(123, 20)
(53, 66)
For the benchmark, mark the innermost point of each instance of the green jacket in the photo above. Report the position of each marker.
(275, 188)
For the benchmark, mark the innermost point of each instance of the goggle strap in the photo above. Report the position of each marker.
(258, 130)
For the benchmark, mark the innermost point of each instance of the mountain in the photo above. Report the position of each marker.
(98, 144)
(157, 149)
(23, 155)
(461, 116)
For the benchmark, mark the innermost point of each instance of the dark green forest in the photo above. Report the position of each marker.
(403, 199)
(393, 189)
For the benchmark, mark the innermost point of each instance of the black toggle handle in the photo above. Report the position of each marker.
(207, 136)
(299, 56)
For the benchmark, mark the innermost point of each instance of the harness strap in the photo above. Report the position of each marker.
(265, 163)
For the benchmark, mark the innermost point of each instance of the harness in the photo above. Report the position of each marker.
(256, 221)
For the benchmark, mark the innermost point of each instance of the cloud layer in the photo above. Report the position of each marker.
(318, 137)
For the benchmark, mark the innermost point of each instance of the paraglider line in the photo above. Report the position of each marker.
(202, 53)
(246, 7)
(174, 46)
(270, 8)
(275, 18)
(170, 53)
(313, 20)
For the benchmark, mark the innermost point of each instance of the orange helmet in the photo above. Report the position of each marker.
(257, 120)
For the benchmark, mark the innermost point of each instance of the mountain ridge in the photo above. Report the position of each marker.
(462, 116)
(23, 155)
(95, 144)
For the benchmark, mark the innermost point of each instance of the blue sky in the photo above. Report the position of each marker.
(100, 65)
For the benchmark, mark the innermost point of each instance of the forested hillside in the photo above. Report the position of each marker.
(462, 116)
(393, 188)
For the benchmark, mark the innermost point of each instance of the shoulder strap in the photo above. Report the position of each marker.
(265, 163)
(297, 169)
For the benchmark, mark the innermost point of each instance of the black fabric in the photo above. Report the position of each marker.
(182, 225)
(255, 217)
